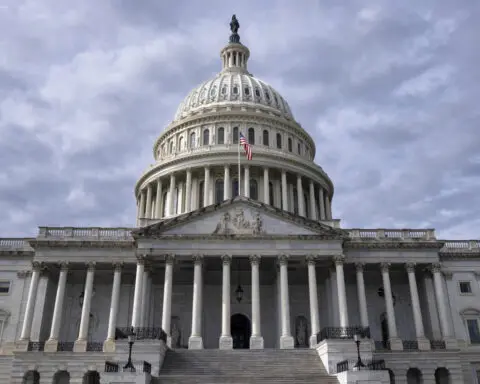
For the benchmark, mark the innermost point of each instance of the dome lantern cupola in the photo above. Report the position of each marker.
(235, 55)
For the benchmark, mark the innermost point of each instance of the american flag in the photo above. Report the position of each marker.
(247, 147)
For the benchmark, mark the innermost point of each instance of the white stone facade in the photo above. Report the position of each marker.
(270, 268)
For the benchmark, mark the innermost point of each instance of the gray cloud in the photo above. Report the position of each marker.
(389, 91)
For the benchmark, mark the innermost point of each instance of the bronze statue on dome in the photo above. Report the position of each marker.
(234, 26)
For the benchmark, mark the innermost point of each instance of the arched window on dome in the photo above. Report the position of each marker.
(290, 144)
(180, 143)
(279, 141)
(235, 135)
(251, 136)
(235, 188)
(235, 89)
(170, 147)
(257, 92)
(267, 96)
(221, 135)
(265, 137)
(206, 136)
(306, 202)
(192, 140)
(295, 201)
(218, 191)
(200, 194)
(299, 148)
(271, 193)
(246, 90)
(253, 189)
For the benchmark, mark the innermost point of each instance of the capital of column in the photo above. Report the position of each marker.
(384, 267)
(37, 266)
(436, 267)
(226, 259)
(91, 266)
(64, 266)
(23, 274)
(117, 266)
(339, 259)
(254, 259)
(360, 267)
(141, 259)
(311, 259)
(197, 258)
(169, 258)
(283, 259)
(410, 267)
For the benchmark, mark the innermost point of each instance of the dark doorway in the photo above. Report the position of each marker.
(241, 331)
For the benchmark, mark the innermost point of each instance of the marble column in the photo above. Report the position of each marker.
(81, 342)
(395, 342)
(142, 204)
(423, 342)
(137, 294)
(196, 341)
(256, 340)
(188, 191)
(300, 198)
(227, 183)
(321, 204)
(266, 187)
(247, 180)
(284, 191)
(328, 209)
(109, 343)
(171, 200)
(30, 308)
(440, 295)
(52, 343)
(313, 207)
(206, 187)
(342, 293)
(158, 200)
(148, 209)
(226, 341)
(167, 297)
(362, 298)
(286, 339)
(313, 297)
(144, 298)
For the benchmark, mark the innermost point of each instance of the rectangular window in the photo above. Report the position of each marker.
(4, 287)
(465, 287)
(473, 331)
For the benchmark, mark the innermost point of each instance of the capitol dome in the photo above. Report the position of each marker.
(199, 162)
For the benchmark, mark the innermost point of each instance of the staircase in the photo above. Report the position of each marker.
(268, 366)
(5, 368)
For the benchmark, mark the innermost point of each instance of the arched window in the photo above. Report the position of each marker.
(270, 193)
(265, 137)
(251, 136)
(61, 377)
(91, 377)
(192, 140)
(235, 135)
(253, 189)
(442, 376)
(235, 192)
(165, 203)
(290, 144)
(295, 201)
(471, 319)
(414, 376)
(221, 136)
(305, 203)
(170, 147)
(31, 377)
(299, 148)
(279, 141)
(206, 137)
(201, 193)
(218, 191)
(180, 143)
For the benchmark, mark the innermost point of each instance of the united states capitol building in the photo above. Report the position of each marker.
(237, 271)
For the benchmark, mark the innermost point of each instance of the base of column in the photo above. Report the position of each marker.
(80, 346)
(225, 342)
(51, 345)
(286, 342)
(313, 341)
(195, 342)
(451, 343)
(423, 344)
(22, 345)
(256, 342)
(396, 344)
(109, 346)
(169, 341)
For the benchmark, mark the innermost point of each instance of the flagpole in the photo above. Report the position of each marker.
(239, 168)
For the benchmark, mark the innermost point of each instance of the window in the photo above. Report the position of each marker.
(221, 136)
(471, 319)
(253, 189)
(265, 137)
(246, 91)
(465, 287)
(299, 148)
(235, 188)
(170, 147)
(290, 144)
(218, 191)
(235, 135)
(206, 137)
(235, 90)
(180, 143)
(267, 96)
(279, 141)
(295, 201)
(270, 193)
(257, 92)
(224, 90)
(201, 193)
(192, 140)
(251, 136)
(4, 287)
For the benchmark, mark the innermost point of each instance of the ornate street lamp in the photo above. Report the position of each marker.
(131, 339)
(357, 338)
(239, 293)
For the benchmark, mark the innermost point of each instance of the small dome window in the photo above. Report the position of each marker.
(257, 92)
(224, 90)
(267, 96)
(213, 91)
(276, 99)
(246, 91)
(235, 90)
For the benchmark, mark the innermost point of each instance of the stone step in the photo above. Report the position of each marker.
(251, 379)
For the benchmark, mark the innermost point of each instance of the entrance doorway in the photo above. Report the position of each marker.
(241, 331)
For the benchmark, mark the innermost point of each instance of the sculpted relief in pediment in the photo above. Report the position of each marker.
(235, 222)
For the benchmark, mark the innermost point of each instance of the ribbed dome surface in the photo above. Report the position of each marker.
(233, 87)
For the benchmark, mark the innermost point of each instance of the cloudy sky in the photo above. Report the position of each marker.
(389, 90)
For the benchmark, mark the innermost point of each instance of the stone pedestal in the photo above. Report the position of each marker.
(396, 344)
(51, 345)
(286, 342)
(22, 345)
(225, 342)
(451, 343)
(256, 342)
(80, 346)
(370, 377)
(313, 341)
(109, 346)
(195, 342)
(423, 344)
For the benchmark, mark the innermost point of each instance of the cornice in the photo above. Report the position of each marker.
(16, 252)
(459, 256)
(208, 237)
(79, 243)
(382, 244)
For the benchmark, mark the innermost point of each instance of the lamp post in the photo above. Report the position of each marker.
(357, 338)
(131, 339)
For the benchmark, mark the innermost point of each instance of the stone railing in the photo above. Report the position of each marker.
(94, 233)
(13, 243)
(397, 234)
(461, 245)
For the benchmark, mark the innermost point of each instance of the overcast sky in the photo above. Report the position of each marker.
(389, 90)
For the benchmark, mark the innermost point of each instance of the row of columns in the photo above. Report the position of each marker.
(225, 342)
(147, 200)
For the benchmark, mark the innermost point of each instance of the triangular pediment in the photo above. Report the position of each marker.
(239, 217)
